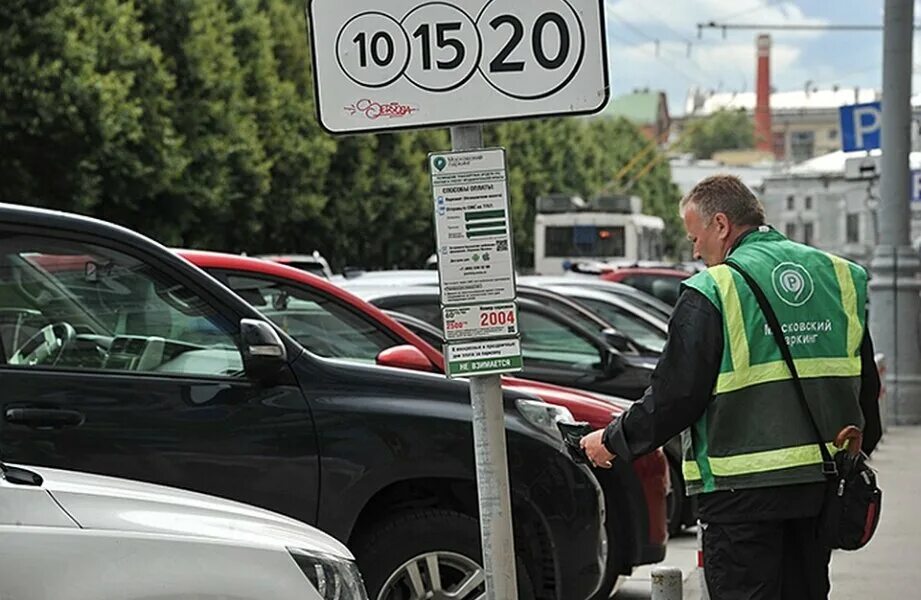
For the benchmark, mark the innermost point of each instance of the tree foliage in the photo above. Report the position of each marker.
(723, 130)
(194, 121)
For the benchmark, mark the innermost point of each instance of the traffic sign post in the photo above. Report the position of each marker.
(477, 279)
(402, 64)
(405, 64)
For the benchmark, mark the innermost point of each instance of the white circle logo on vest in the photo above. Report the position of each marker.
(792, 283)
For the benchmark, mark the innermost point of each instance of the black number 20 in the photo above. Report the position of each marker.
(501, 64)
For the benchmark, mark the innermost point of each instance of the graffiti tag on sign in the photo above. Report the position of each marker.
(377, 110)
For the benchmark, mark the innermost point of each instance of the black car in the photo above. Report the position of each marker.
(122, 359)
(556, 347)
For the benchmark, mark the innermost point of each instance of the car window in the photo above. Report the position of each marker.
(545, 341)
(430, 312)
(630, 325)
(321, 324)
(665, 288)
(572, 312)
(79, 306)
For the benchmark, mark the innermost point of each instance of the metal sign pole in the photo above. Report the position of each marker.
(894, 288)
(493, 487)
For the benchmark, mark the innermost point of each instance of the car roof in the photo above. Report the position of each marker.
(578, 292)
(626, 271)
(396, 278)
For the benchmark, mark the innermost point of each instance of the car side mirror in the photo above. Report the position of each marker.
(405, 356)
(612, 363)
(264, 354)
(616, 340)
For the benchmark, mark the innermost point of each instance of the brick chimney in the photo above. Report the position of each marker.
(763, 137)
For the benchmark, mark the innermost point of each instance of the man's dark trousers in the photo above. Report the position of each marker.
(765, 560)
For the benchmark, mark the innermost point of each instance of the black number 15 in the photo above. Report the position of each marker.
(423, 33)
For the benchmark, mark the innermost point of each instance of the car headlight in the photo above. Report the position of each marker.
(334, 578)
(544, 416)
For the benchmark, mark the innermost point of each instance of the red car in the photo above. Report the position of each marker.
(333, 323)
(664, 284)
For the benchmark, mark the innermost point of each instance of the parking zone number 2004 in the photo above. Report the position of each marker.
(496, 318)
(438, 47)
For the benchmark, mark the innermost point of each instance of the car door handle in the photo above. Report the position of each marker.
(44, 418)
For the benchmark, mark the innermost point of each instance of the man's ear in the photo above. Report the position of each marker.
(722, 225)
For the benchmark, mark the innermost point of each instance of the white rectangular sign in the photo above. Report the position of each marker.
(480, 321)
(472, 227)
(404, 63)
(483, 358)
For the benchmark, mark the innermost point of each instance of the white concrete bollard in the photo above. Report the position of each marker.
(666, 583)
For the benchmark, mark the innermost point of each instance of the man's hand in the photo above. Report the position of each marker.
(595, 449)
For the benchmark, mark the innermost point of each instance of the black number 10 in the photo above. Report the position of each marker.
(379, 58)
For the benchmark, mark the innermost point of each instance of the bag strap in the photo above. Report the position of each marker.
(829, 467)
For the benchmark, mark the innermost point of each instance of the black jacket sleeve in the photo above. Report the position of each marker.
(682, 383)
(869, 395)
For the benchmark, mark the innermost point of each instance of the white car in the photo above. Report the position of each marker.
(73, 536)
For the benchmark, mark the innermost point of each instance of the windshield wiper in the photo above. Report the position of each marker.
(20, 476)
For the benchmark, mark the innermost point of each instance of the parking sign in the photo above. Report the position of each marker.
(405, 64)
(861, 125)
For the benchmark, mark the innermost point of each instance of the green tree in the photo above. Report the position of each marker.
(723, 130)
(85, 115)
(297, 151)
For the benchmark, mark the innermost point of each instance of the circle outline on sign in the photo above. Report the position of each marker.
(565, 82)
(405, 62)
(799, 270)
(479, 53)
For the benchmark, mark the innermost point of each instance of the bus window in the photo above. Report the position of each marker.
(585, 240)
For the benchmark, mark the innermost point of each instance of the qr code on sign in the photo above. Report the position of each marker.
(502, 246)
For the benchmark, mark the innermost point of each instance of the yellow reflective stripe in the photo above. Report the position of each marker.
(732, 312)
(769, 460)
(778, 371)
(849, 302)
(690, 470)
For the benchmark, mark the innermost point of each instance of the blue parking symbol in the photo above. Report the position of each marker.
(861, 126)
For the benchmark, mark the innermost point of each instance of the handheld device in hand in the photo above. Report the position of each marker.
(572, 435)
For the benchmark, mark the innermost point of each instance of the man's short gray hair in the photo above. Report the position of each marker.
(728, 195)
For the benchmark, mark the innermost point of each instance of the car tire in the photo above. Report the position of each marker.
(402, 548)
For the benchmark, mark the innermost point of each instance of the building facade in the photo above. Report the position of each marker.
(815, 204)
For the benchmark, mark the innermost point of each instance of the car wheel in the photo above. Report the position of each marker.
(674, 501)
(433, 554)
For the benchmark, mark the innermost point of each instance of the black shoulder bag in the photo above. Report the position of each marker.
(852, 504)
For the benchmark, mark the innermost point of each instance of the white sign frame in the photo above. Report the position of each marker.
(376, 67)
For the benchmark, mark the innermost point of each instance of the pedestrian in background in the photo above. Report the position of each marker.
(751, 455)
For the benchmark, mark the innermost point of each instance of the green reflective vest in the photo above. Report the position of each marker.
(755, 432)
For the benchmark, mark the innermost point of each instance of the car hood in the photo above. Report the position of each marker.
(107, 503)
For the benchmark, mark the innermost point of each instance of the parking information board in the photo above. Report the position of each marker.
(476, 270)
(472, 227)
(402, 63)
(483, 358)
(480, 321)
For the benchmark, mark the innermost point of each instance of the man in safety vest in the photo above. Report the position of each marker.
(751, 454)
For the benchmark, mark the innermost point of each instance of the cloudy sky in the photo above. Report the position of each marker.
(637, 27)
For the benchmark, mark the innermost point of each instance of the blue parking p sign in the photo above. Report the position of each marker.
(861, 125)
